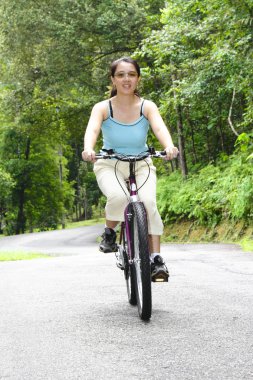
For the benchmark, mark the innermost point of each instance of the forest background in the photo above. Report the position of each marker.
(197, 65)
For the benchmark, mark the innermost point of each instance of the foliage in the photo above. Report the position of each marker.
(196, 59)
(217, 192)
(53, 61)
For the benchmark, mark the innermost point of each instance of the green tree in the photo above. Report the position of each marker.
(54, 56)
(197, 62)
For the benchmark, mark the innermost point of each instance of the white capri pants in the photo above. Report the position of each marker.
(117, 199)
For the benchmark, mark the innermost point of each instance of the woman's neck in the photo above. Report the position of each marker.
(126, 109)
(126, 100)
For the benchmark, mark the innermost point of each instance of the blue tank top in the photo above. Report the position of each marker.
(125, 138)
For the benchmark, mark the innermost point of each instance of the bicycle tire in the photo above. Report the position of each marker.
(141, 259)
(128, 269)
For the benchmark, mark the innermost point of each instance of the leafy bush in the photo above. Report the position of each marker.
(217, 192)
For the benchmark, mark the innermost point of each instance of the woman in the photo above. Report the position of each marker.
(124, 120)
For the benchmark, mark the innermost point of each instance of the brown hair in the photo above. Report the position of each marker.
(113, 68)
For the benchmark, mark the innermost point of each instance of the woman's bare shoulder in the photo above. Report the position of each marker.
(149, 107)
(149, 104)
(103, 105)
(101, 108)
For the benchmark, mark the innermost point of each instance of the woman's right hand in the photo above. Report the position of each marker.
(88, 155)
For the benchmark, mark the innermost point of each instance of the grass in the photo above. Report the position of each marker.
(247, 244)
(15, 256)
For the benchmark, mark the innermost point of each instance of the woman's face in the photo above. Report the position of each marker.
(125, 78)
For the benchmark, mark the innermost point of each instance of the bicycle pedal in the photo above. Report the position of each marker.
(161, 277)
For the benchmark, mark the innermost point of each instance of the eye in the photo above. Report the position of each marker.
(120, 75)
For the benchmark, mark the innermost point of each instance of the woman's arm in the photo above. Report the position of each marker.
(92, 131)
(160, 130)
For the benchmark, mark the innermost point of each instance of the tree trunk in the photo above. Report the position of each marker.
(220, 131)
(208, 146)
(195, 158)
(181, 142)
(180, 131)
(78, 182)
(230, 114)
(20, 226)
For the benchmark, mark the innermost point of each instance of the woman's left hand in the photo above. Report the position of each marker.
(171, 152)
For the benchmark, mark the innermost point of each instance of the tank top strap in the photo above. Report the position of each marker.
(110, 109)
(141, 112)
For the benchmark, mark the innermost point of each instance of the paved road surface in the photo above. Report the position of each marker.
(67, 317)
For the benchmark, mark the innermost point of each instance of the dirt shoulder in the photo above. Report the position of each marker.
(187, 231)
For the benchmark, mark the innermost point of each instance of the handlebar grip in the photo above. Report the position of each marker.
(103, 156)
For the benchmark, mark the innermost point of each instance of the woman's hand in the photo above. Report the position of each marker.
(171, 152)
(88, 155)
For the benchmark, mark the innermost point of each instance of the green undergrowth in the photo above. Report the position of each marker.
(215, 194)
(213, 204)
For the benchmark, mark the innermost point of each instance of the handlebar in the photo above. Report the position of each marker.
(130, 158)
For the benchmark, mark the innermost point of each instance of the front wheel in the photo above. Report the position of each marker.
(130, 281)
(141, 259)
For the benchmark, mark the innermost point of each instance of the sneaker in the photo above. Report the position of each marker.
(159, 271)
(108, 243)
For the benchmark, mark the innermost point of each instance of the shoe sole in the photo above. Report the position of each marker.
(106, 251)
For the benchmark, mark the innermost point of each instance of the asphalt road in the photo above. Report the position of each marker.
(67, 317)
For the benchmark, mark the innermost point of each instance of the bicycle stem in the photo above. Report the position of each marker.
(132, 183)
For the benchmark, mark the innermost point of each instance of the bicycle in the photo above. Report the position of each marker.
(133, 249)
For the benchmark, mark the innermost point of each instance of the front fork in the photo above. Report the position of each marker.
(125, 241)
